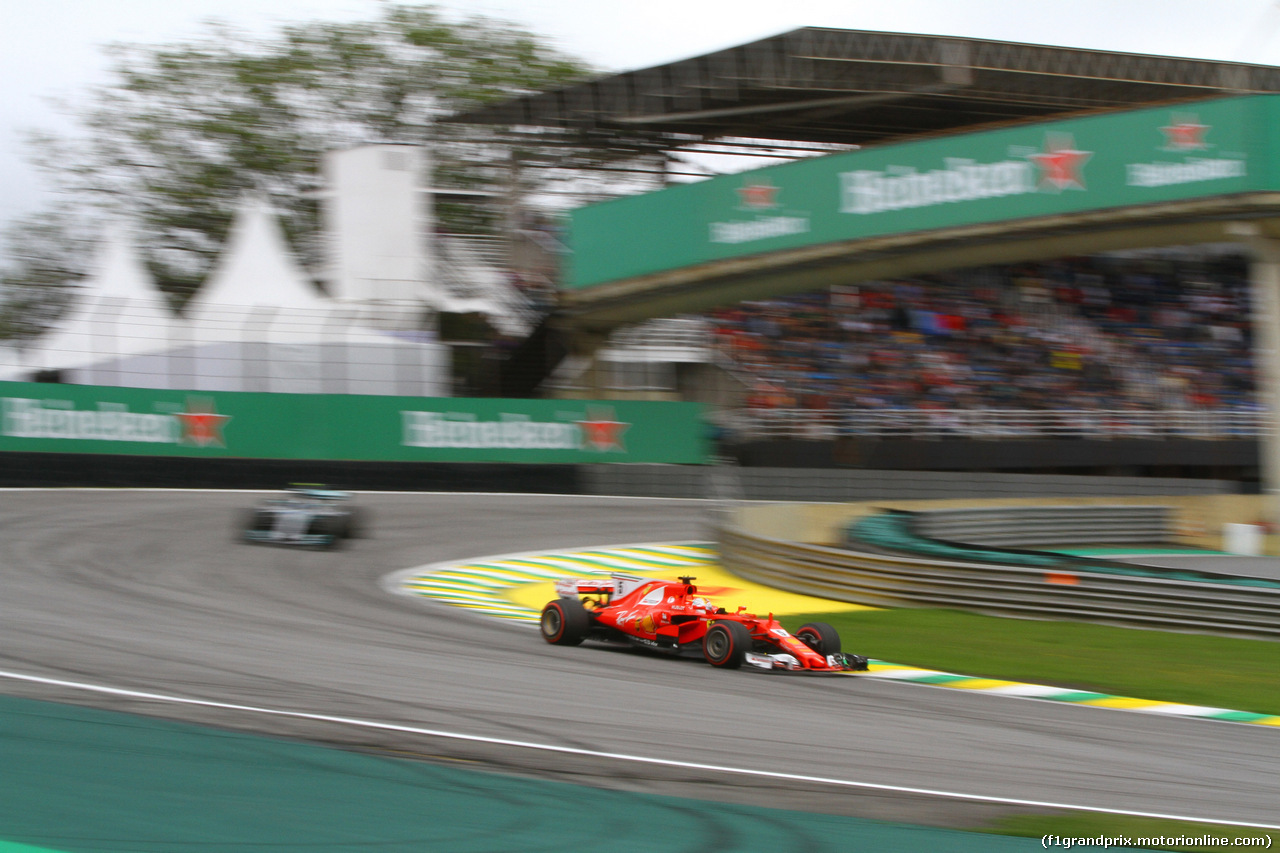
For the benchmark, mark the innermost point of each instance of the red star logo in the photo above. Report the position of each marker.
(1061, 163)
(1185, 133)
(758, 196)
(601, 432)
(201, 423)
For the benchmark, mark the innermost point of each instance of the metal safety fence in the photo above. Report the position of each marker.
(1029, 526)
(996, 423)
(1028, 592)
(375, 348)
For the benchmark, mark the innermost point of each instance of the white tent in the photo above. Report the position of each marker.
(12, 368)
(119, 314)
(256, 278)
(258, 324)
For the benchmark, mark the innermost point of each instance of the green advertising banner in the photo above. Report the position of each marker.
(91, 419)
(1212, 147)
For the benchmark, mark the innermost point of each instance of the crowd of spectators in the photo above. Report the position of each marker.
(1107, 332)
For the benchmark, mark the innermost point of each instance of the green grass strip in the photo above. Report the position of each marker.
(1080, 696)
(1193, 669)
(1093, 826)
(1241, 716)
(1116, 550)
(940, 678)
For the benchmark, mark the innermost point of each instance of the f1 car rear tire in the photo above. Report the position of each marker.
(726, 644)
(357, 524)
(819, 636)
(565, 622)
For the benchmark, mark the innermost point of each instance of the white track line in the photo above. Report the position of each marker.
(616, 756)
(394, 583)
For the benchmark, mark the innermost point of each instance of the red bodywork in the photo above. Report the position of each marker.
(673, 616)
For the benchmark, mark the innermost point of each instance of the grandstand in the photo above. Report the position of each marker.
(1138, 336)
(1022, 328)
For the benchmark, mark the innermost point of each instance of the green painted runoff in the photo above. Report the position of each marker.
(76, 780)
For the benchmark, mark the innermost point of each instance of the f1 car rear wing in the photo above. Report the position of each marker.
(616, 585)
(317, 492)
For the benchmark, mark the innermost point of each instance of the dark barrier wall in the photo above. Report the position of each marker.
(105, 471)
(720, 482)
(1234, 459)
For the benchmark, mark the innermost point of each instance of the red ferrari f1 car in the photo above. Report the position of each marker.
(671, 616)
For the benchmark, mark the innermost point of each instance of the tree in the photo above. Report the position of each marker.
(49, 252)
(182, 131)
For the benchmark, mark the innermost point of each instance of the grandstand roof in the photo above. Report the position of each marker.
(825, 86)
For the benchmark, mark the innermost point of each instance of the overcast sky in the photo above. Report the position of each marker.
(53, 48)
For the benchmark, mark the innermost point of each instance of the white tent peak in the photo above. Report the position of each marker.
(256, 267)
(118, 271)
(118, 311)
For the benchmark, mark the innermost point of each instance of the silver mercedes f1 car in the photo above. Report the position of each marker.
(306, 516)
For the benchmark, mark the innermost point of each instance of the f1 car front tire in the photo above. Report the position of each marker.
(819, 636)
(565, 622)
(726, 644)
(253, 521)
(328, 530)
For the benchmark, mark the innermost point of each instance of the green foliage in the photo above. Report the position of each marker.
(47, 254)
(183, 130)
(1197, 669)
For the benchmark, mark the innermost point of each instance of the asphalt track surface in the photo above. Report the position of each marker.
(147, 592)
(1263, 568)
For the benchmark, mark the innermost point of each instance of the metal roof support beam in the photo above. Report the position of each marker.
(1265, 283)
(751, 90)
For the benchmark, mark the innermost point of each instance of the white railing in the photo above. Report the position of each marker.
(994, 423)
(475, 277)
(669, 333)
(675, 339)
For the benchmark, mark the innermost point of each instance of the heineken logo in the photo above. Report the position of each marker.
(199, 425)
(960, 180)
(597, 430)
(1061, 163)
(758, 229)
(1058, 166)
(1193, 170)
(759, 196)
(1185, 133)
(602, 432)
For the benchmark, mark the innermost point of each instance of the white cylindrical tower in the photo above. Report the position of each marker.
(378, 223)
